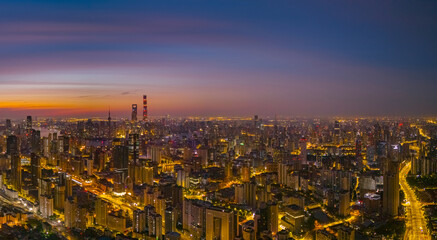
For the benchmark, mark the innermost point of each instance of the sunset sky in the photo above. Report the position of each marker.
(291, 58)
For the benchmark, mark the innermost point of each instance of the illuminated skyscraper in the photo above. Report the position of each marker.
(134, 112)
(144, 107)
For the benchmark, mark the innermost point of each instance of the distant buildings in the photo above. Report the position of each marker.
(212, 179)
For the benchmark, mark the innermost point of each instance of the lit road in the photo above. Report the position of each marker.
(416, 223)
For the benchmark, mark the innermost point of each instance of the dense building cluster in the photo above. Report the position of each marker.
(211, 178)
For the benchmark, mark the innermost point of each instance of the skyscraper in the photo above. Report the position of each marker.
(391, 188)
(139, 221)
(134, 112)
(120, 157)
(35, 168)
(220, 224)
(8, 126)
(272, 217)
(337, 132)
(133, 146)
(29, 123)
(109, 124)
(101, 212)
(144, 107)
(13, 152)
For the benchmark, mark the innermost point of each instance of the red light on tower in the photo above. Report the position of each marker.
(144, 107)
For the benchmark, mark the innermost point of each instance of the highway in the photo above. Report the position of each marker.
(57, 226)
(416, 222)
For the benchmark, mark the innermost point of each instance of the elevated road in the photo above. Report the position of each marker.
(416, 222)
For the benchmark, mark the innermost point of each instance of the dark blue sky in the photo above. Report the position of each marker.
(219, 57)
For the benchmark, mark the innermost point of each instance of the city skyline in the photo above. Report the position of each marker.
(213, 59)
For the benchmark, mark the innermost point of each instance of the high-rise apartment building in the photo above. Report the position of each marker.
(391, 188)
(220, 224)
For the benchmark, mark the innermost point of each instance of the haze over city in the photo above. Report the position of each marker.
(218, 120)
(202, 58)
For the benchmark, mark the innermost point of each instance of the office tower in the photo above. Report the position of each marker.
(134, 112)
(29, 123)
(120, 157)
(139, 221)
(391, 188)
(35, 168)
(170, 220)
(220, 224)
(101, 212)
(144, 107)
